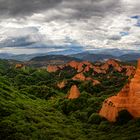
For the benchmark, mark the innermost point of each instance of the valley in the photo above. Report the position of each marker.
(62, 101)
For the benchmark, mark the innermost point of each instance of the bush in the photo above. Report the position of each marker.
(104, 126)
(82, 116)
(94, 119)
(42, 92)
(137, 121)
(123, 117)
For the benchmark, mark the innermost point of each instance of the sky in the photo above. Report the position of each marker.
(39, 26)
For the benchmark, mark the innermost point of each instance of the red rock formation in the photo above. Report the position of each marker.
(87, 63)
(105, 67)
(96, 82)
(115, 64)
(52, 68)
(79, 66)
(73, 64)
(112, 63)
(18, 66)
(87, 68)
(76, 65)
(128, 98)
(130, 70)
(89, 79)
(97, 69)
(62, 84)
(79, 76)
(74, 93)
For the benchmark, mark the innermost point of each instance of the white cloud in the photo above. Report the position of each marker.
(98, 29)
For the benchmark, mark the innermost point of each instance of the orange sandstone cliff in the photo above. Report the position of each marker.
(86, 66)
(18, 66)
(52, 68)
(128, 98)
(79, 76)
(79, 66)
(74, 93)
(130, 70)
(112, 63)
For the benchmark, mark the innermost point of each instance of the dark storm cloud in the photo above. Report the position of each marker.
(88, 8)
(71, 8)
(14, 42)
(84, 9)
(25, 7)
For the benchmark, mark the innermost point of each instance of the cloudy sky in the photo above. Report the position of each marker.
(38, 26)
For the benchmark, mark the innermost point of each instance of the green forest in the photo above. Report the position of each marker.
(32, 107)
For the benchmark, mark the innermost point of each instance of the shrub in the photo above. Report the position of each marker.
(82, 116)
(104, 126)
(94, 119)
(123, 117)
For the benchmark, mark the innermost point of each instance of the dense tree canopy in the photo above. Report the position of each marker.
(33, 107)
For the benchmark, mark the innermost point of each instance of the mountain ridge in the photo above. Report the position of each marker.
(98, 54)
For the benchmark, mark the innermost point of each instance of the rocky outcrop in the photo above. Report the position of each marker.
(96, 82)
(74, 93)
(62, 84)
(86, 66)
(82, 77)
(128, 98)
(79, 76)
(87, 69)
(130, 70)
(73, 64)
(112, 63)
(80, 66)
(19, 66)
(99, 70)
(52, 68)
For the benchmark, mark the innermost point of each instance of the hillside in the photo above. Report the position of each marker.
(130, 57)
(50, 60)
(93, 57)
(106, 55)
(53, 58)
(34, 103)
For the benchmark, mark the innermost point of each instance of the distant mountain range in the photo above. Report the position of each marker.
(94, 55)
(20, 57)
(102, 57)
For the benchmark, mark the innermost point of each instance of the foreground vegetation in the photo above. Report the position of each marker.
(32, 107)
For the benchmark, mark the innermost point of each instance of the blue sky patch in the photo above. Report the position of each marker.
(124, 33)
(137, 17)
(138, 23)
